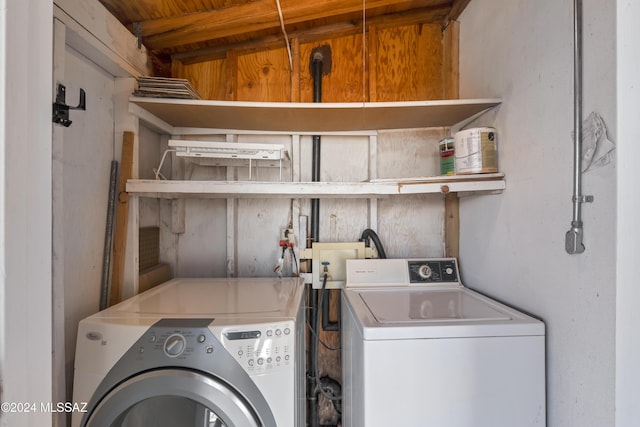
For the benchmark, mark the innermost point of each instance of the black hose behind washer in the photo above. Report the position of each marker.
(370, 234)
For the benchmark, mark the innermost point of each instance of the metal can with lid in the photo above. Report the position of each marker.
(476, 151)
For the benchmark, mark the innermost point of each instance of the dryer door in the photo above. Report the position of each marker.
(172, 397)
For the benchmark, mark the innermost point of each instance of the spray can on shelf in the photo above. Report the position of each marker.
(447, 156)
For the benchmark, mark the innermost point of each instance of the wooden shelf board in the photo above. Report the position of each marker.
(312, 117)
(249, 189)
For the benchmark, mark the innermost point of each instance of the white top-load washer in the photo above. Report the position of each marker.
(196, 352)
(420, 349)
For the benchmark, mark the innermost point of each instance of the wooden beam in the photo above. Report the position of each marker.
(122, 220)
(248, 17)
(417, 16)
(97, 34)
(457, 7)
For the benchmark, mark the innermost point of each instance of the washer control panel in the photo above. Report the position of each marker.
(261, 348)
(433, 271)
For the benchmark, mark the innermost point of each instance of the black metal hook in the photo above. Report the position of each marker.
(61, 109)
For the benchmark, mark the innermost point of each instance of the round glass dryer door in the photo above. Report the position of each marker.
(170, 398)
(169, 411)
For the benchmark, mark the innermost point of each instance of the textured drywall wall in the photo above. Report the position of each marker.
(512, 245)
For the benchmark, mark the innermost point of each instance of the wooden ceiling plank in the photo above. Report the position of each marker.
(266, 43)
(198, 27)
(254, 16)
(421, 16)
(428, 15)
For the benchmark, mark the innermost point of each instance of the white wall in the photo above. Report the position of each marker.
(628, 242)
(83, 159)
(512, 245)
(255, 224)
(25, 208)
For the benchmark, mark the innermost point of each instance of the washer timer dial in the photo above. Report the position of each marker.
(425, 271)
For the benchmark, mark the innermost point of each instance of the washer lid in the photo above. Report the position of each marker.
(429, 306)
(217, 297)
(414, 313)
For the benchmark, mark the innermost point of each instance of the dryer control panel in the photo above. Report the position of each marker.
(261, 348)
(258, 348)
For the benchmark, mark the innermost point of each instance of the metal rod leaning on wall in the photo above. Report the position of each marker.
(108, 236)
(574, 237)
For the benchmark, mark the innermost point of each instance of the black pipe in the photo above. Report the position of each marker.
(370, 234)
(312, 389)
(315, 159)
(312, 377)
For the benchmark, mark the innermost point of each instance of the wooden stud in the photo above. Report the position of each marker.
(451, 74)
(451, 225)
(122, 220)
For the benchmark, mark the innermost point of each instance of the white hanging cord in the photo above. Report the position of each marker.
(286, 38)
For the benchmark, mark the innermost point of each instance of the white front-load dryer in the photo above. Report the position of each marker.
(195, 352)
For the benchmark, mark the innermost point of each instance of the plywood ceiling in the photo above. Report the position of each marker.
(199, 30)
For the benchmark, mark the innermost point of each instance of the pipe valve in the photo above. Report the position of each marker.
(573, 239)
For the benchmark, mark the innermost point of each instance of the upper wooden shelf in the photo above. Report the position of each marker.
(312, 117)
(372, 189)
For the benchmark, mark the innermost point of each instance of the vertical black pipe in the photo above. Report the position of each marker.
(315, 166)
(312, 389)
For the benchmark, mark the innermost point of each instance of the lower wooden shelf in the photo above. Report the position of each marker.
(171, 189)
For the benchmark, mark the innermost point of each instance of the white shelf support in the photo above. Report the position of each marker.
(373, 174)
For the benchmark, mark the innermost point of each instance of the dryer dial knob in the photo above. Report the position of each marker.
(174, 345)
(425, 271)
